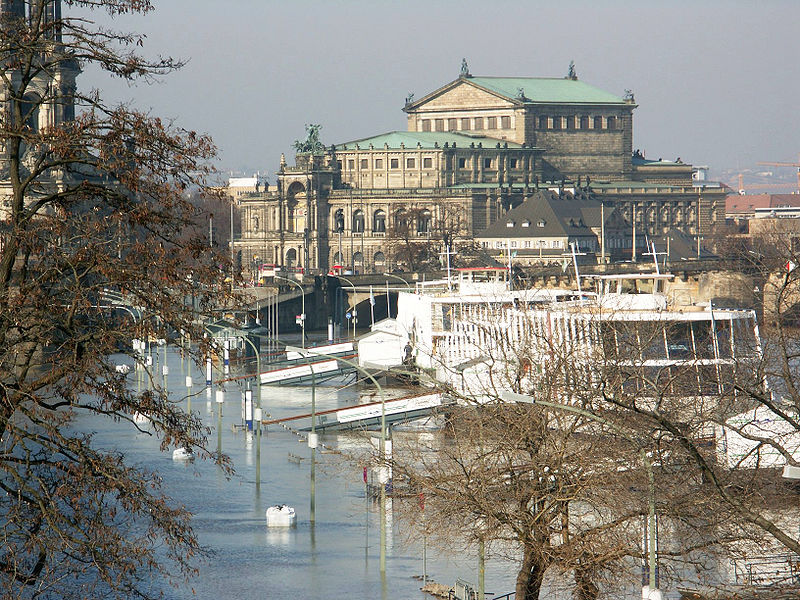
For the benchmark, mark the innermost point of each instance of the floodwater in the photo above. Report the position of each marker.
(335, 557)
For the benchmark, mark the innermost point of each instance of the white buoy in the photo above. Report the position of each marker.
(281, 516)
(182, 454)
(651, 594)
(123, 369)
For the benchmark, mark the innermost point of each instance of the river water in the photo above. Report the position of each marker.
(335, 557)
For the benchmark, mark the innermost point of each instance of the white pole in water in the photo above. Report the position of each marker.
(189, 394)
(481, 571)
(602, 233)
(220, 400)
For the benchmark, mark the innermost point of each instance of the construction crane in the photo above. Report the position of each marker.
(796, 165)
(761, 186)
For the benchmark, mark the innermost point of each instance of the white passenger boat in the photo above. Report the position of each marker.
(479, 337)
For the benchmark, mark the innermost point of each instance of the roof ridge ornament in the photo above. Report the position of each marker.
(571, 72)
(464, 69)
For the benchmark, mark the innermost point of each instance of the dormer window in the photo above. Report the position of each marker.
(510, 224)
(526, 223)
(540, 223)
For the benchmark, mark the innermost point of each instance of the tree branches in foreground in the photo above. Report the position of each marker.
(99, 246)
(612, 401)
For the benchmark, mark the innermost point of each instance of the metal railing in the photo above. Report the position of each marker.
(780, 569)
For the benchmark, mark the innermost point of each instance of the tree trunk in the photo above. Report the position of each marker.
(531, 574)
(585, 587)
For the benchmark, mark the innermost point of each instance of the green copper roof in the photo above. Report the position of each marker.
(426, 139)
(547, 90)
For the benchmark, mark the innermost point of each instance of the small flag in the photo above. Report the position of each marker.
(791, 266)
(365, 474)
(371, 296)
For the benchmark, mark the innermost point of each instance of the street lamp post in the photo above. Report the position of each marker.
(352, 285)
(257, 416)
(312, 437)
(382, 438)
(302, 316)
(398, 277)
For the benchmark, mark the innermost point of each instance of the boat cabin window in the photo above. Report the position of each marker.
(702, 339)
(633, 286)
(723, 330)
(744, 338)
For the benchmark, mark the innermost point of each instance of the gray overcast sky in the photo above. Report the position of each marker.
(716, 82)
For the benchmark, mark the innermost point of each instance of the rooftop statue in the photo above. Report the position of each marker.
(572, 73)
(464, 68)
(311, 143)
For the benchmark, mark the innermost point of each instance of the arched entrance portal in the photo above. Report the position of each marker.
(291, 258)
(296, 207)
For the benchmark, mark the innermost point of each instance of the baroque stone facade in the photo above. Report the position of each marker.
(48, 100)
(474, 149)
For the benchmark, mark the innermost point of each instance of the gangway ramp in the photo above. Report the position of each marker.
(324, 362)
(366, 416)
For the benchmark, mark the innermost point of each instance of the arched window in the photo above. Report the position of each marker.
(30, 111)
(542, 122)
(611, 123)
(290, 206)
(379, 221)
(424, 222)
(337, 259)
(291, 258)
(379, 261)
(358, 259)
(338, 220)
(358, 221)
(584, 122)
(598, 122)
(400, 219)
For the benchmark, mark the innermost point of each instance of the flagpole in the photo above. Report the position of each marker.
(510, 283)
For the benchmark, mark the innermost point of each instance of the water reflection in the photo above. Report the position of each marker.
(335, 555)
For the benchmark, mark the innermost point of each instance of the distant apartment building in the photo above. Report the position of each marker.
(742, 208)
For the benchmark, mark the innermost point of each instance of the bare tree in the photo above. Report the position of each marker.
(420, 237)
(408, 239)
(530, 485)
(94, 216)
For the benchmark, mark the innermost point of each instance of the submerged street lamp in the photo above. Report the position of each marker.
(302, 318)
